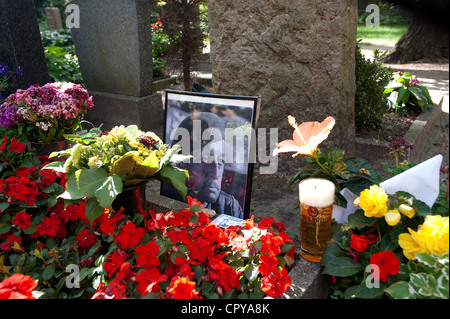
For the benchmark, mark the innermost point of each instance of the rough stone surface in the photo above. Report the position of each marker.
(20, 43)
(297, 55)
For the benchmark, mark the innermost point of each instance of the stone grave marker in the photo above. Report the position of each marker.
(114, 49)
(20, 43)
(298, 55)
(53, 16)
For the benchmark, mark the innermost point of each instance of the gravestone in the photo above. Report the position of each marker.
(53, 16)
(21, 44)
(114, 49)
(298, 56)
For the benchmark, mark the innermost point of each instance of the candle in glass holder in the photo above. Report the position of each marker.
(316, 210)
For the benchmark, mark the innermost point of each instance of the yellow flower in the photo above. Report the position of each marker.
(407, 210)
(411, 244)
(432, 237)
(392, 217)
(373, 201)
(435, 232)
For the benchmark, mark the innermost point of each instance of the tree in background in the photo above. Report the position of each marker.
(181, 20)
(427, 36)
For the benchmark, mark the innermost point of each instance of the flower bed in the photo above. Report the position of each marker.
(49, 249)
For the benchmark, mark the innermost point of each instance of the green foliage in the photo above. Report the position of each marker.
(428, 279)
(425, 277)
(60, 38)
(62, 66)
(371, 79)
(405, 89)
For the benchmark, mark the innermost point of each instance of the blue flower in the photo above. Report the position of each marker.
(19, 70)
(3, 68)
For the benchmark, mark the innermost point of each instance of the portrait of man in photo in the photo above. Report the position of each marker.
(210, 128)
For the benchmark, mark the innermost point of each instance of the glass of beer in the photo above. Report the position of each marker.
(316, 210)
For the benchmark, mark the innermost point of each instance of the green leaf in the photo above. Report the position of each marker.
(342, 267)
(132, 129)
(175, 176)
(84, 183)
(107, 192)
(426, 259)
(48, 272)
(403, 96)
(93, 209)
(358, 220)
(399, 290)
(251, 272)
(370, 293)
(3, 206)
(418, 280)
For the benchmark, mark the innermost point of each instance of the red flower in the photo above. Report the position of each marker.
(268, 265)
(182, 288)
(49, 227)
(48, 177)
(276, 284)
(200, 250)
(147, 255)
(18, 286)
(114, 261)
(223, 274)
(359, 243)
(22, 219)
(5, 141)
(213, 233)
(86, 239)
(109, 224)
(271, 244)
(249, 223)
(129, 236)
(387, 263)
(9, 243)
(16, 146)
(265, 223)
(148, 281)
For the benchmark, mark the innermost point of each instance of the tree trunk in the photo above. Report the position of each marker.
(426, 40)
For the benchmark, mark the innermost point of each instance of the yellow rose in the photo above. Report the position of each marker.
(373, 202)
(432, 237)
(435, 232)
(392, 217)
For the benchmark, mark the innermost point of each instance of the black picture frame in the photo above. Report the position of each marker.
(231, 114)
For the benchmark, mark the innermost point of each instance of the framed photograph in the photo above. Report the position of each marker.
(218, 131)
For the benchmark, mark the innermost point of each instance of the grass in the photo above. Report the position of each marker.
(381, 36)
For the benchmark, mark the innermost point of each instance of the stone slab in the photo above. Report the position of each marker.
(115, 109)
(307, 281)
(114, 46)
(53, 16)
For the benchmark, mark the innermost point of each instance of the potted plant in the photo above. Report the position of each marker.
(44, 114)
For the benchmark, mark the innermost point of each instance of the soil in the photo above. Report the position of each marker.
(394, 124)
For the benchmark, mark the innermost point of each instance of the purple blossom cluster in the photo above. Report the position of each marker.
(60, 105)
